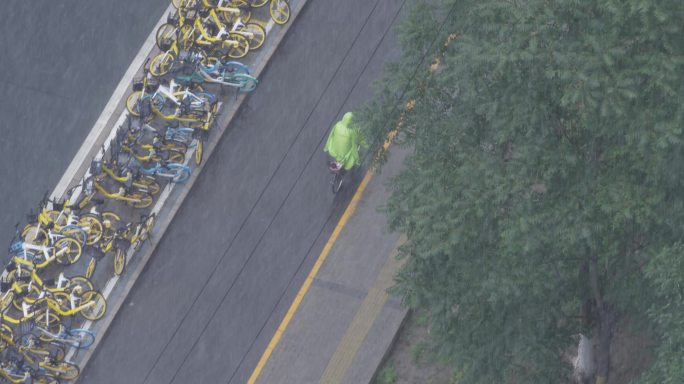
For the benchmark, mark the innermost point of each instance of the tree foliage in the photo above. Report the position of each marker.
(543, 196)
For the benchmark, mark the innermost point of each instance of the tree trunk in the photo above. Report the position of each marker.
(606, 322)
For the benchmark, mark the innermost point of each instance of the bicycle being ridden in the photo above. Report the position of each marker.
(343, 145)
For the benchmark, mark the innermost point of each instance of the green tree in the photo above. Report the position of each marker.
(543, 196)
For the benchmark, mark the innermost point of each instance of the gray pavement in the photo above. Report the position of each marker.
(60, 62)
(229, 265)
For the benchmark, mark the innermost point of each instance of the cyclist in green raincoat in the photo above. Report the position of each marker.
(343, 143)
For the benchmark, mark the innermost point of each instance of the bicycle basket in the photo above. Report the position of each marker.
(95, 167)
(138, 83)
(172, 18)
(165, 45)
(17, 247)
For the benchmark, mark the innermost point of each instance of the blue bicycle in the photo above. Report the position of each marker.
(76, 338)
(175, 172)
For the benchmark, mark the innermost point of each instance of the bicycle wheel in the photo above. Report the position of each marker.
(119, 261)
(6, 300)
(169, 155)
(247, 82)
(97, 309)
(33, 234)
(162, 64)
(92, 226)
(90, 269)
(257, 3)
(108, 227)
(258, 35)
(244, 15)
(187, 38)
(239, 46)
(29, 294)
(180, 172)
(280, 11)
(50, 322)
(150, 185)
(83, 283)
(75, 232)
(199, 152)
(133, 103)
(7, 334)
(148, 226)
(337, 182)
(80, 338)
(166, 34)
(37, 378)
(64, 370)
(67, 251)
(141, 200)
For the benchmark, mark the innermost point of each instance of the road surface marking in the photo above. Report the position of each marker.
(364, 319)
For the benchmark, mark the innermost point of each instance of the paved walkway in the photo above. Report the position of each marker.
(342, 321)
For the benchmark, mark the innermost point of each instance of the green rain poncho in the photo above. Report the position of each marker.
(343, 143)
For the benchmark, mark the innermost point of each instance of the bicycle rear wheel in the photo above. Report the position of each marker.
(67, 251)
(64, 370)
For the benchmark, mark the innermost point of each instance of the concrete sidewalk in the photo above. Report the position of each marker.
(345, 322)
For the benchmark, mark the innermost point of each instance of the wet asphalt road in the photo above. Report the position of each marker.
(229, 265)
(59, 64)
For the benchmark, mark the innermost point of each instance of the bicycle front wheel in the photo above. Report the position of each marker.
(238, 46)
(199, 152)
(162, 64)
(81, 338)
(67, 251)
(97, 307)
(119, 261)
(280, 11)
(92, 226)
(64, 370)
(34, 235)
(166, 34)
(257, 35)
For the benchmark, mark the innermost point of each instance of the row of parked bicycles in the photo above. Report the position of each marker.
(48, 287)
